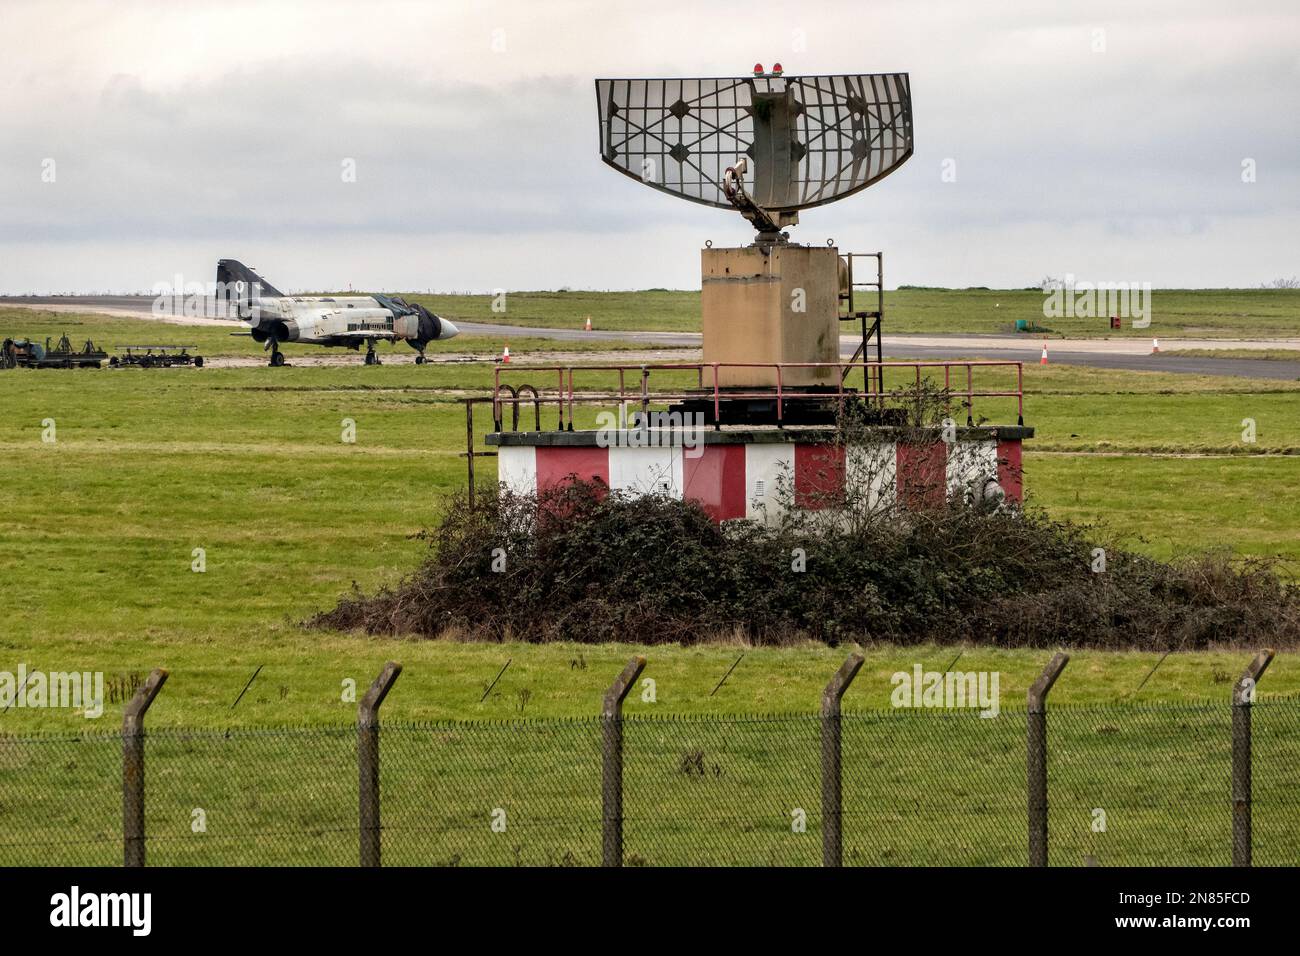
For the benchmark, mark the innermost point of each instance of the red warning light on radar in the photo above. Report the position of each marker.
(758, 69)
(776, 69)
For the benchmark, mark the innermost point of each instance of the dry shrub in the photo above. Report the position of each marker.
(585, 564)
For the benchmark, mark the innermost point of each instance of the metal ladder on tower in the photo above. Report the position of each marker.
(870, 334)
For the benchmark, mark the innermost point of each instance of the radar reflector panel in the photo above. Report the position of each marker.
(809, 140)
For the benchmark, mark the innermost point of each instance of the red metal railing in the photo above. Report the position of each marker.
(708, 386)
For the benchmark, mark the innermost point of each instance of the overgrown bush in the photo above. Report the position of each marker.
(585, 564)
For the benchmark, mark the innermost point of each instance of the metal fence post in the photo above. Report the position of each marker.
(1243, 695)
(1036, 757)
(368, 761)
(611, 777)
(832, 789)
(133, 768)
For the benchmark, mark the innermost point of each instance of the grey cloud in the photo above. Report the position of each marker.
(1051, 142)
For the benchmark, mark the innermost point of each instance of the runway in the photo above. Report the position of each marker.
(1127, 353)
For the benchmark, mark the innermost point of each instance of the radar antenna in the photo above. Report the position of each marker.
(806, 140)
(767, 146)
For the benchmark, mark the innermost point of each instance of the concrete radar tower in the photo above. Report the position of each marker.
(766, 146)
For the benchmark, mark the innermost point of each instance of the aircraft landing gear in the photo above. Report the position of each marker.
(277, 357)
(372, 357)
(420, 359)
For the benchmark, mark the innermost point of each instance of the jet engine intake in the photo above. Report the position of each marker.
(282, 330)
(430, 325)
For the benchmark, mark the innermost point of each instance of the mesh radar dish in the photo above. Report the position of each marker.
(809, 140)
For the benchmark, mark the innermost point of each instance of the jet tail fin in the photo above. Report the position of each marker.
(235, 277)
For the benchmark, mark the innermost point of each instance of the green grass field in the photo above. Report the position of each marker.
(1259, 355)
(97, 544)
(1175, 313)
(96, 553)
(1227, 313)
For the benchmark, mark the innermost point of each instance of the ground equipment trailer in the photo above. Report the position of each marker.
(23, 353)
(156, 356)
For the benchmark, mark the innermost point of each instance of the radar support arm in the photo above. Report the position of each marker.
(768, 225)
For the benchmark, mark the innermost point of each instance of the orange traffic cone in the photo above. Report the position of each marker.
(1043, 360)
(587, 327)
(1155, 346)
(505, 354)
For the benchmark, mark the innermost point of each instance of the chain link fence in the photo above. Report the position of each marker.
(1142, 785)
(61, 800)
(491, 794)
(1276, 786)
(251, 797)
(934, 788)
(1127, 785)
(726, 791)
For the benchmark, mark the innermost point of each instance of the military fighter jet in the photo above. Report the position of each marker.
(274, 317)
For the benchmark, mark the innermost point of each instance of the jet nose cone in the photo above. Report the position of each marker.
(449, 330)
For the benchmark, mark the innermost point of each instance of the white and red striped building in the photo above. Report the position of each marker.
(753, 472)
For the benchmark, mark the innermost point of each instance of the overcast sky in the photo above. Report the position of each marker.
(1103, 139)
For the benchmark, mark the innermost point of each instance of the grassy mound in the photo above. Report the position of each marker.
(584, 564)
